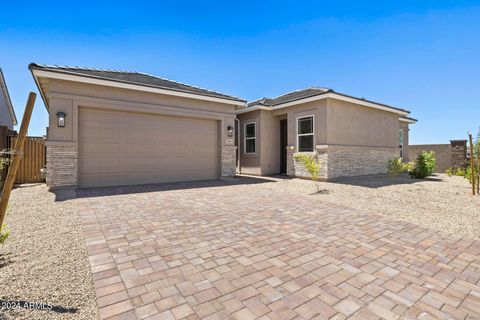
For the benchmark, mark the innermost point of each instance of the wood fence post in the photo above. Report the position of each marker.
(15, 160)
(472, 167)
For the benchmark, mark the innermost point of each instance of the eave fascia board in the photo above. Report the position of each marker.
(249, 109)
(122, 85)
(336, 96)
(408, 120)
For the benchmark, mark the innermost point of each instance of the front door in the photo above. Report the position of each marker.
(283, 146)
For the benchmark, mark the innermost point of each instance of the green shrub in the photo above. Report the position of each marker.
(3, 234)
(424, 166)
(312, 166)
(397, 166)
(450, 172)
(460, 172)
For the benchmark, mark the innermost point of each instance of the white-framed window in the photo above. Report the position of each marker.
(305, 134)
(250, 138)
(400, 142)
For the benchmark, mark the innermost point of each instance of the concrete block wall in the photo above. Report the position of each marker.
(449, 155)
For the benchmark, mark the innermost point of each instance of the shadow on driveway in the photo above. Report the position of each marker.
(68, 194)
(383, 180)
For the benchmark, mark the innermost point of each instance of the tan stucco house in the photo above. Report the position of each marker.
(351, 136)
(110, 128)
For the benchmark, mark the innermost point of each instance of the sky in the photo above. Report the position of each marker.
(423, 56)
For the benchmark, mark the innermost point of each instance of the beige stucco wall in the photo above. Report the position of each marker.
(354, 125)
(270, 143)
(319, 111)
(68, 96)
(250, 163)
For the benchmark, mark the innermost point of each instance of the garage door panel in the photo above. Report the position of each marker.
(120, 148)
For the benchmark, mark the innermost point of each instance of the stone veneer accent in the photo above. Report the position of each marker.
(62, 164)
(458, 153)
(349, 161)
(228, 165)
(344, 161)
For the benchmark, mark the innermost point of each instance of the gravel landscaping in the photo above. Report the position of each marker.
(44, 260)
(440, 202)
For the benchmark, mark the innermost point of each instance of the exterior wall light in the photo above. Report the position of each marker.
(61, 119)
(230, 131)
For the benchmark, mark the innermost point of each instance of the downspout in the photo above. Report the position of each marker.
(237, 131)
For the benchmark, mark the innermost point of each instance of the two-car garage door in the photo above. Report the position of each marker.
(121, 148)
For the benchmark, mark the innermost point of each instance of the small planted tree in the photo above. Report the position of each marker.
(312, 165)
(424, 166)
(3, 233)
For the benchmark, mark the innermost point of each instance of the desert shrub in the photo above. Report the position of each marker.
(3, 234)
(424, 166)
(312, 166)
(450, 172)
(397, 166)
(460, 172)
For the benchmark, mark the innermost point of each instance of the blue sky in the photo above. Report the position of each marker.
(420, 55)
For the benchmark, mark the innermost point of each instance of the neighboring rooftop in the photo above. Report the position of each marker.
(308, 93)
(132, 77)
(8, 101)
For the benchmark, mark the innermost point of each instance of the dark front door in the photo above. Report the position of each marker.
(283, 146)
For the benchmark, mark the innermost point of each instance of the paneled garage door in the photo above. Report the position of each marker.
(121, 148)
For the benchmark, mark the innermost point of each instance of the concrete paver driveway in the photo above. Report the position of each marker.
(216, 250)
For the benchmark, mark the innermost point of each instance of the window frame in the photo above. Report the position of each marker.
(250, 138)
(306, 134)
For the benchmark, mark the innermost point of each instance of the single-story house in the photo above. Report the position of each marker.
(7, 114)
(109, 128)
(350, 136)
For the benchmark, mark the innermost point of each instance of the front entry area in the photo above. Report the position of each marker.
(283, 146)
(124, 148)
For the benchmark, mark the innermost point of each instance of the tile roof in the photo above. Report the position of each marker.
(132, 77)
(291, 96)
(307, 93)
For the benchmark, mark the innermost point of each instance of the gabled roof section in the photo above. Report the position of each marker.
(313, 94)
(289, 97)
(8, 101)
(133, 78)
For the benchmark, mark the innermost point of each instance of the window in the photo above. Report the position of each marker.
(305, 134)
(400, 142)
(250, 138)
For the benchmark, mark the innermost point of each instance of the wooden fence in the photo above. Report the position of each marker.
(33, 159)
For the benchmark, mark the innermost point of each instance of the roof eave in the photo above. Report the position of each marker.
(342, 97)
(408, 120)
(38, 72)
(253, 108)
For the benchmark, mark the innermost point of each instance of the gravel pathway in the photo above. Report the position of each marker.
(45, 260)
(439, 202)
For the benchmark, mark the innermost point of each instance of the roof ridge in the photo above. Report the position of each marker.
(299, 90)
